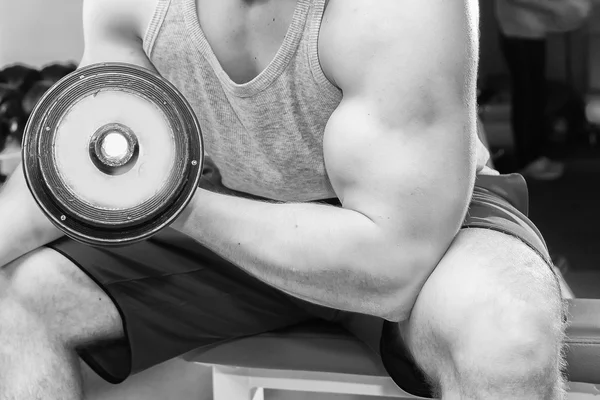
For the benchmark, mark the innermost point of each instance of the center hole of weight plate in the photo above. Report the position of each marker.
(114, 149)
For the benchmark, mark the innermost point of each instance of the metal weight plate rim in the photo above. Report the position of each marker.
(108, 238)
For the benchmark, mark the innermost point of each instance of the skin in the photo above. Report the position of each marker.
(480, 311)
(411, 117)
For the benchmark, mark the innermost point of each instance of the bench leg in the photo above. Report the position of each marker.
(233, 387)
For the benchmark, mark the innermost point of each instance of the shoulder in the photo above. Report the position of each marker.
(357, 36)
(113, 30)
(122, 18)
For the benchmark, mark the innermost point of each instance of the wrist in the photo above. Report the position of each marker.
(185, 219)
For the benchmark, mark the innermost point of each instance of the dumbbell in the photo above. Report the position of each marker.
(112, 154)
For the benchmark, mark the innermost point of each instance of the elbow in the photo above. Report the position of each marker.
(395, 264)
(405, 276)
(397, 303)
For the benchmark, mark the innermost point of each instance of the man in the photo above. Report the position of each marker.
(344, 152)
(524, 28)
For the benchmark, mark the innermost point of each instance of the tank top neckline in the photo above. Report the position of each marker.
(273, 70)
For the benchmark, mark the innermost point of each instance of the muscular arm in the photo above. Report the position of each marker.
(400, 154)
(111, 30)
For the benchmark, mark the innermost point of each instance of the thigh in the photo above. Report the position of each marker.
(536, 55)
(537, 78)
(522, 62)
(70, 304)
(514, 52)
(173, 296)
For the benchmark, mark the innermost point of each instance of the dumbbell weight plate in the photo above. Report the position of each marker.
(112, 154)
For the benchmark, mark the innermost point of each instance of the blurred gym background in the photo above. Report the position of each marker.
(49, 42)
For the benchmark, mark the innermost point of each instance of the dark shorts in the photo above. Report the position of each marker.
(175, 296)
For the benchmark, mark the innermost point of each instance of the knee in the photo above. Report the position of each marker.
(509, 347)
(500, 328)
(518, 356)
(35, 288)
(516, 347)
(45, 291)
(516, 330)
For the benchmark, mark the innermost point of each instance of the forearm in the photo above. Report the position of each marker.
(327, 255)
(23, 226)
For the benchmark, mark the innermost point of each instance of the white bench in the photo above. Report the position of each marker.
(325, 359)
(319, 358)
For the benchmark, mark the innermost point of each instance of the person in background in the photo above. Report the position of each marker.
(524, 28)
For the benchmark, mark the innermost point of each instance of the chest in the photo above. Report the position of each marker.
(245, 35)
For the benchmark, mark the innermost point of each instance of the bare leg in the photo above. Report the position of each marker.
(488, 322)
(47, 308)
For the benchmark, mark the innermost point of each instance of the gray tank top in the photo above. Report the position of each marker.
(264, 137)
